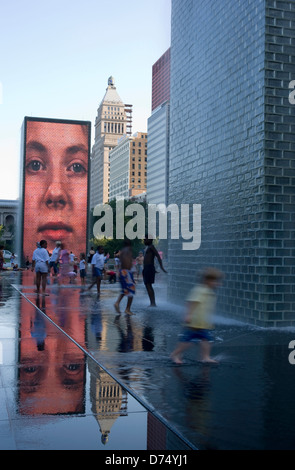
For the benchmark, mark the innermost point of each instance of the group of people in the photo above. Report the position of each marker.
(64, 263)
(13, 265)
(61, 261)
(146, 266)
(200, 301)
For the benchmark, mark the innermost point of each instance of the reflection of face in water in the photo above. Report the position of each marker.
(52, 369)
(56, 175)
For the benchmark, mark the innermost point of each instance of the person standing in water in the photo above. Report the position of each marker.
(126, 278)
(149, 270)
(40, 263)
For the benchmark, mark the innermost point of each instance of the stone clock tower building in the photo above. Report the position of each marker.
(114, 119)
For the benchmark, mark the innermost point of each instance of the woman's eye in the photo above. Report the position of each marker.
(35, 165)
(77, 168)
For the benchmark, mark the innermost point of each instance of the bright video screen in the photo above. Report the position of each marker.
(55, 184)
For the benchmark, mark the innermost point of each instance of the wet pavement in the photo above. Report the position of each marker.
(76, 375)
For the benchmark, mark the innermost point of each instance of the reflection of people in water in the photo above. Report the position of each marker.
(56, 173)
(195, 403)
(38, 331)
(148, 338)
(126, 337)
(96, 320)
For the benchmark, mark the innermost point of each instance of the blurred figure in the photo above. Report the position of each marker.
(65, 263)
(54, 260)
(201, 304)
(117, 263)
(82, 268)
(97, 263)
(139, 265)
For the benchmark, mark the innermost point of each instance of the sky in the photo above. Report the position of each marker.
(56, 58)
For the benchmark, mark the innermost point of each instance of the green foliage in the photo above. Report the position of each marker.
(1, 231)
(113, 245)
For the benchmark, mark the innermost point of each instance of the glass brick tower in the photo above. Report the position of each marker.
(232, 150)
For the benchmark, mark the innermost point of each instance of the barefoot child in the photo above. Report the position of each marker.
(201, 304)
(126, 278)
(82, 266)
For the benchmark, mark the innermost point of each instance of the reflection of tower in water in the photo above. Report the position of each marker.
(109, 400)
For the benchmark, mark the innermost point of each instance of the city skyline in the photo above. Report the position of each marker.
(40, 77)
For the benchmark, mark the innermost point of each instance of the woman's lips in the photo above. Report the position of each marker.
(55, 230)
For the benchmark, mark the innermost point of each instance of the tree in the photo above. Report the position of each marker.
(2, 228)
(112, 245)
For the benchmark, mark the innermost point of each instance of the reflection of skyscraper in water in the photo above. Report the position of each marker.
(108, 399)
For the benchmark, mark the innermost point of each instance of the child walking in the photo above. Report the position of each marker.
(201, 304)
(82, 267)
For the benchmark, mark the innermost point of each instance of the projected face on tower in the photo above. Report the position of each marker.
(56, 185)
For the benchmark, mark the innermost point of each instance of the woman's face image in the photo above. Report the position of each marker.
(56, 175)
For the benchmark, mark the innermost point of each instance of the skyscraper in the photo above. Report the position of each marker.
(161, 80)
(128, 167)
(114, 119)
(158, 132)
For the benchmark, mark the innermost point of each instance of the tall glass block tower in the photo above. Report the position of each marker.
(232, 150)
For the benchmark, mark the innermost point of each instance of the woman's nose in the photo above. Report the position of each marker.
(56, 196)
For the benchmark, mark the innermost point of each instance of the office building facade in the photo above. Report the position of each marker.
(128, 167)
(161, 80)
(158, 151)
(114, 119)
(158, 132)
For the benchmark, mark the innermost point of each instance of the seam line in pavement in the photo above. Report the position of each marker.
(130, 391)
